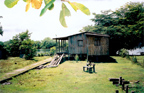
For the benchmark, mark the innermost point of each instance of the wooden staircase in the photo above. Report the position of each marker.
(56, 60)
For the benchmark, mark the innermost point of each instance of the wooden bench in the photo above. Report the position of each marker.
(90, 67)
(93, 66)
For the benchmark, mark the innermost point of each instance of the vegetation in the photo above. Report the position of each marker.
(69, 77)
(13, 63)
(22, 44)
(52, 50)
(3, 52)
(1, 31)
(49, 5)
(125, 26)
(123, 53)
(134, 59)
(28, 47)
(37, 44)
(139, 60)
(13, 46)
(47, 43)
(76, 58)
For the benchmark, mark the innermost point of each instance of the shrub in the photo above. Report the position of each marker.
(30, 49)
(3, 51)
(76, 58)
(134, 59)
(127, 56)
(123, 53)
(42, 54)
(52, 50)
(47, 54)
(39, 54)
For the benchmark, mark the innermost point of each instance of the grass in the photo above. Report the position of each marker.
(13, 63)
(140, 60)
(69, 77)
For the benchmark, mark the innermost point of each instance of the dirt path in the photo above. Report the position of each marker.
(22, 70)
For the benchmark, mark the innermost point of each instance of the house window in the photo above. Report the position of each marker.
(80, 43)
(97, 41)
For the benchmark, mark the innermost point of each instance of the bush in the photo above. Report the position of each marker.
(127, 56)
(30, 49)
(52, 51)
(3, 51)
(134, 59)
(76, 58)
(123, 53)
(39, 54)
(47, 54)
(42, 54)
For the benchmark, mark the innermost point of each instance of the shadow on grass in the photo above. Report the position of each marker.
(102, 59)
(95, 59)
(64, 59)
(90, 72)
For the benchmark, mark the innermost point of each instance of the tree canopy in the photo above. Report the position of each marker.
(37, 44)
(1, 31)
(125, 26)
(47, 43)
(30, 49)
(13, 46)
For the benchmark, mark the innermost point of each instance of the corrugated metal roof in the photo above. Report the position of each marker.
(87, 33)
(96, 34)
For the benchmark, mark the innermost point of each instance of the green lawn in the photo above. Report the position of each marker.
(140, 59)
(69, 77)
(13, 63)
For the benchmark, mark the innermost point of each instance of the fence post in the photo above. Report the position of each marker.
(123, 86)
(93, 67)
(120, 81)
(127, 89)
(117, 91)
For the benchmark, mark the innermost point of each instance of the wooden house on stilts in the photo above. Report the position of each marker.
(84, 44)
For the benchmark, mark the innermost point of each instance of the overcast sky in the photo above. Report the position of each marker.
(15, 20)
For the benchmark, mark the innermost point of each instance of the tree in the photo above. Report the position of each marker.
(125, 26)
(52, 50)
(1, 44)
(24, 35)
(30, 49)
(3, 52)
(37, 44)
(47, 43)
(12, 46)
(49, 5)
(7, 46)
(1, 31)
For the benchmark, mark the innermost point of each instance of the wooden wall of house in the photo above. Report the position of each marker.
(88, 45)
(74, 48)
(102, 49)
